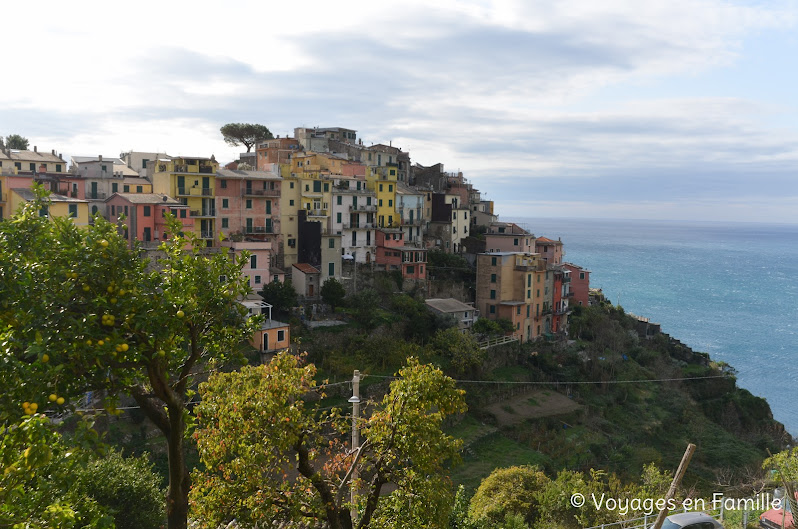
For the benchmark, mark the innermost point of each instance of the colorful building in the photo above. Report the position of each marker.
(192, 181)
(277, 150)
(551, 251)
(509, 237)
(511, 285)
(580, 283)
(248, 203)
(352, 217)
(144, 215)
(393, 254)
(56, 205)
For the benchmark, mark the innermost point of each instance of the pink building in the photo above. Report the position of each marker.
(509, 237)
(551, 251)
(144, 215)
(393, 254)
(580, 283)
(248, 204)
(258, 270)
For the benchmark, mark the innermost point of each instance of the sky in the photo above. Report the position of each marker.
(675, 109)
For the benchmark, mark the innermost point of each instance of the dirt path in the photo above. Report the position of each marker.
(531, 406)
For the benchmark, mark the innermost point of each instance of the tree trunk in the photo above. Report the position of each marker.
(179, 479)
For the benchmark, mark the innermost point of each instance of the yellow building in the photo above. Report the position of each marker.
(13, 161)
(192, 181)
(57, 205)
(383, 181)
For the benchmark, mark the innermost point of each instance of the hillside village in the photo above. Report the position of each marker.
(312, 207)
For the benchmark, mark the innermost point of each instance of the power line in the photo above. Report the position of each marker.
(552, 382)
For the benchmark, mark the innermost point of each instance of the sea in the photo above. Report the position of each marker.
(728, 289)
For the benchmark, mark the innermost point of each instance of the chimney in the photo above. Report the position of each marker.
(101, 157)
(35, 149)
(53, 151)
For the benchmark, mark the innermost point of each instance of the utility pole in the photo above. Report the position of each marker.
(677, 479)
(355, 400)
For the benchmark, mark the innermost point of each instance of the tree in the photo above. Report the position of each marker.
(333, 292)
(281, 295)
(271, 453)
(246, 134)
(460, 348)
(508, 491)
(80, 311)
(36, 480)
(15, 141)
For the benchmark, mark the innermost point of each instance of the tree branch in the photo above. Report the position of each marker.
(349, 472)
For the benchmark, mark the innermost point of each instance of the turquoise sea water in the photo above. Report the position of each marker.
(726, 289)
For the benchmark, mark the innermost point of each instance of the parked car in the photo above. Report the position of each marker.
(691, 520)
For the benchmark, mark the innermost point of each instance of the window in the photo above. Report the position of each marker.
(380, 187)
(144, 163)
(249, 203)
(492, 309)
(257, 280)
(290, 202)
(280, 335)
(380, 203)
(492, 294)
(253, 261)
(326, 187)
(223, 183)
(225, 222)
(331, 243)
(183, 213)
(331, 267)
(390, 186)
(73, 210)
(518, 310)
(528, 294)
(58, 168)
(114, 188)
(581, 275)
(527, 311)
(139, 189)
(292, 243)
(225, 203)
(18, 165)
(291, 185)
(493, 261)
(339, 200)
(316, 186)
(338, 216)
(268, 207)
(126, 189)
(126, 213)
(410, 270)
(529, 280)
(33, 167)
(493, 278)
(515, 242)
(390, 203)
(147, 211)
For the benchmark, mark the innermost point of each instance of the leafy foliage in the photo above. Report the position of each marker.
(80, 311)
(460, 348)
(15, 141)
(281, 295)
(333, 292)
(36, 473)
(246, 134)
(272, 453)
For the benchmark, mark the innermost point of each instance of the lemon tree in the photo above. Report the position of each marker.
(272, 453)
(81, 311)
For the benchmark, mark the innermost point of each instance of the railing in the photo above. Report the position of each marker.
(258, 229)
(647, 521)
(566, 279)
(317, 212)
(363, 207)
(358, 226)
(96, 196)
(500, 340)
(260, 192)
(569, 294)
(203, 213)
(206, 234)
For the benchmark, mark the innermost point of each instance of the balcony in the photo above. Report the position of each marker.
(316, 212)
(569, 294)
(194, 192)
(260, 192)
(258, 230)
(206, 234)
(363, 207)
(566, 279)
(412, 222)
(96, 196)
(358, 226)
(208, 212)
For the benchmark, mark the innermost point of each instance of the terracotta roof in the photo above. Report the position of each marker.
(546, 240)
(306, 268)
